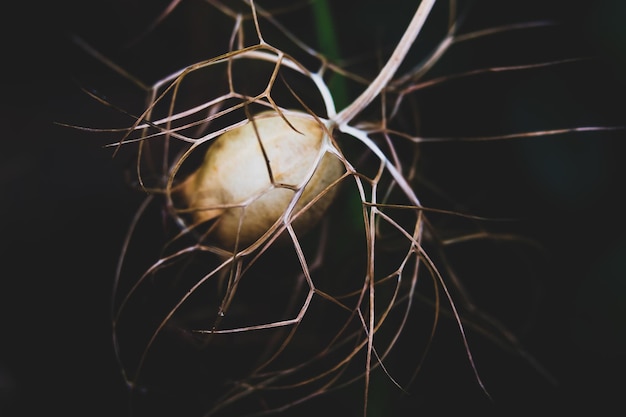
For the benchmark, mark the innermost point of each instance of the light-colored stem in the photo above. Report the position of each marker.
(414, 28)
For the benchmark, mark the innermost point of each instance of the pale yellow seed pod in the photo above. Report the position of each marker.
(235, 173)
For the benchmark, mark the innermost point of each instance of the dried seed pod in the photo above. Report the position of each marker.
(250, 175)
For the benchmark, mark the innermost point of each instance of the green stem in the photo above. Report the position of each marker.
(328, 45)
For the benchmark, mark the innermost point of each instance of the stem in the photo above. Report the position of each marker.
(385, 74)
(328, 45)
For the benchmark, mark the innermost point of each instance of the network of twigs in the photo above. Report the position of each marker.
(265, 327)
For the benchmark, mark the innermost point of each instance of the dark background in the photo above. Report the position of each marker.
(65, 206)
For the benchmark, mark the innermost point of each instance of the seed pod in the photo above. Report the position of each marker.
(234, 184)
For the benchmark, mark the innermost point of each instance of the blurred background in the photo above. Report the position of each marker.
(65, 205)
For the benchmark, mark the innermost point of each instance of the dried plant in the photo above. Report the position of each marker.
(278, 276)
